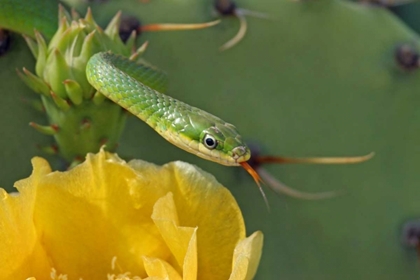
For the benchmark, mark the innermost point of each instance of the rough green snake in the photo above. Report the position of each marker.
(187, 127)
(133, 85)
(136, 87)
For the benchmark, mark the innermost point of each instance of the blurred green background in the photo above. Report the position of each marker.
(319, 78)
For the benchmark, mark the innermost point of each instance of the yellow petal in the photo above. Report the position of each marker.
(21, 252)
(204, 203)
(190, 266)
(159, 268)
(180, 240)
(247, 257)
(88, 214)
(109, 218)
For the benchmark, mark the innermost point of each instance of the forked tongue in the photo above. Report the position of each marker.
(257, 180)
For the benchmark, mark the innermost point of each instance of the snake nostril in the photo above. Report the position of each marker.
(239, 151)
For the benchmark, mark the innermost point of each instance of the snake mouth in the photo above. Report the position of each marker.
(241, 154)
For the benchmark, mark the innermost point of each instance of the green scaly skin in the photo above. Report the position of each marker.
(187, 127)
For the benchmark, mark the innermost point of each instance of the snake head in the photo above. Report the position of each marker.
(223, 144)
(211, 138)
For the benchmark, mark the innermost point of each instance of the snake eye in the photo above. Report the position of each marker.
(210, 142)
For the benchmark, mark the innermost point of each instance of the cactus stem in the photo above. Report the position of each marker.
(60, 102)
(45, 129)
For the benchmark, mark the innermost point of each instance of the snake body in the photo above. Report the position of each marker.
(129, 85)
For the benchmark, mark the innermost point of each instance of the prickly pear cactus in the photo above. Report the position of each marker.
(316, 78)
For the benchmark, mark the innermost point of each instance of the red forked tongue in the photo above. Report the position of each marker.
(257, 180)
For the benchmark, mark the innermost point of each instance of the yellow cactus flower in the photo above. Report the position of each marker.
(108, 219)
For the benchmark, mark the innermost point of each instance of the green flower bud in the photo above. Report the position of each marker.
(34, 82)
(74, 91)
(61, 80)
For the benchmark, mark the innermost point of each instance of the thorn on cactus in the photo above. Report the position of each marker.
(177, 27)
(130, 27)
(257, 161)
(45, 129)
(229, 8)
